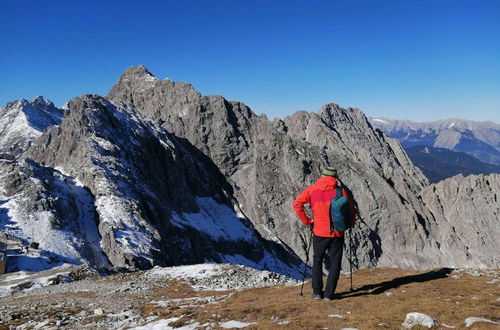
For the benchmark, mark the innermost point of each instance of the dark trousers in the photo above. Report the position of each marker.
(334, 246)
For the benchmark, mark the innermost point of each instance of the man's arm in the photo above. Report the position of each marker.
(298, 206)
(351, 207)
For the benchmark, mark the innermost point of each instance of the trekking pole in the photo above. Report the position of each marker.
(350, 255)
(305, 265)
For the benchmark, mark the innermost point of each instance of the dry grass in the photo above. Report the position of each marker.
(380, 300)
(369, 306)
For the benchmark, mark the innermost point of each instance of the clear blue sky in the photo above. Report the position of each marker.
(419, 60)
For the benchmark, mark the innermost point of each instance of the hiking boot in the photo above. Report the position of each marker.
(316, 296)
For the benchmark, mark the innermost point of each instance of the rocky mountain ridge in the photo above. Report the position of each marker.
(151, 198)
(269, 162)
(173, 177)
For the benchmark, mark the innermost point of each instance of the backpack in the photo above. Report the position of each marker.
(340, 212)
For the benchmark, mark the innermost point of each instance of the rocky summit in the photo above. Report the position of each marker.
(157, 174)
(268, 163)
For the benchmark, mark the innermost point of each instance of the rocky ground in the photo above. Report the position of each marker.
(229, 296)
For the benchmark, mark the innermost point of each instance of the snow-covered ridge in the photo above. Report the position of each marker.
(22, 121)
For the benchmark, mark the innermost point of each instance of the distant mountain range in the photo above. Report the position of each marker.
(439, 163)
(481, 140)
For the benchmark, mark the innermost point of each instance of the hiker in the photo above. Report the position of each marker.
(325, 237)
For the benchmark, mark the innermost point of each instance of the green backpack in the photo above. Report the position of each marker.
(340, 212)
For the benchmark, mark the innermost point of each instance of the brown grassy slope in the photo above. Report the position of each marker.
(381, 299)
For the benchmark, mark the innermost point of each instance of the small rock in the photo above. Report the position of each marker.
(98, 311)
(471, 320)
(388, 294)
(447, 326)
(413, 319)
(335, 315)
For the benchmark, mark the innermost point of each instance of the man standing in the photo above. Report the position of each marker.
(318, 196)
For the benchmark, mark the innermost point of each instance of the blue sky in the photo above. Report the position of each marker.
(420, 60)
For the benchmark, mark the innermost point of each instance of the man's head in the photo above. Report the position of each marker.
(330, 171)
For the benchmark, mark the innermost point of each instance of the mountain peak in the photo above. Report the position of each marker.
(40, 99)
(139, 71)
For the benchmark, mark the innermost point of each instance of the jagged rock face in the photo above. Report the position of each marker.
(22, 121)
(478, 139)
(158, 200)
(270, 162)
(469, 213)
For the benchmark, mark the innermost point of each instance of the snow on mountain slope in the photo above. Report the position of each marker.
(45, 206)
(216, 220)
(157, 201)
(22, 121)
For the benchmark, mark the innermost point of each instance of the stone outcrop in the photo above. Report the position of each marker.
(468, 210)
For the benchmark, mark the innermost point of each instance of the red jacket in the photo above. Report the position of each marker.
(319, 196)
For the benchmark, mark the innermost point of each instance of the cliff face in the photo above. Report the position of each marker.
(268, 163)
(468, 210)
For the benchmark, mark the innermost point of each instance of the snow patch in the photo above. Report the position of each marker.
(235, 324)
(216, 220)
(380, 121)
(188, 272)
(471, 320)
